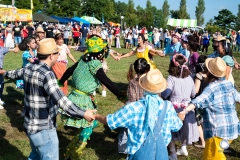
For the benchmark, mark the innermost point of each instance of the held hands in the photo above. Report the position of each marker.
(15, 50)
(2, 71)
(89, 115)
(182, 115)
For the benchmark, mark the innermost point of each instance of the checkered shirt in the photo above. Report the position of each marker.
(133, 117)
(218, 101)
(42, 97)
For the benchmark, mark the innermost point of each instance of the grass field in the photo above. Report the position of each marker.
(14, 145)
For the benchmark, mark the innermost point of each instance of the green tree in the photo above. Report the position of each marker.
(237, 26)
(131, 16)
(149, 14)
(200, 8)
(141, 15)
(175, 14)
(120, 10)
(183, 10)
(210, 22)
(225, 19)
(165, 13)
(212, 28)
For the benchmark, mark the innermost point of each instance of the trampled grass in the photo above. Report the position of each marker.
(14, 144)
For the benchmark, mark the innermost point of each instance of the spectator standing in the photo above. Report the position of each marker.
(84, 32)
(30, 29)
(49, 31)
(24, 32)
(9, 43)
(17, 34)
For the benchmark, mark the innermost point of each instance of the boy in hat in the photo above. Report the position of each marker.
(42, 98)
(218, 101)
(149, 120)
(41, 33)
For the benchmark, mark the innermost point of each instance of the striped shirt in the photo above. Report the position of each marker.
(218, 101)
(42, 97)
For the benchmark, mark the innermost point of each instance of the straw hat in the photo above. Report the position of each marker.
(219, 38)
(216, 66)
(47, 46)
(40, 30)
(153, 81)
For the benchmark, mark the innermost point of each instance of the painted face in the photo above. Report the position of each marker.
(32, 44)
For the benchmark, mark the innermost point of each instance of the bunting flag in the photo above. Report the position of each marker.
(31, 4)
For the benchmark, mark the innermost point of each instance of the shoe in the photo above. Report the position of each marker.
(1, 107)
(172, 157)
(1, 102)
(182, 152)
(94, 93)
(104, 93)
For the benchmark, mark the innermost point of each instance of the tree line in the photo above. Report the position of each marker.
(112, 10)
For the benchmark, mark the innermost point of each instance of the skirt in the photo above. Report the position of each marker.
(9, 43)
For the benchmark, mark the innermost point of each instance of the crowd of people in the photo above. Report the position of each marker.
(194, 105)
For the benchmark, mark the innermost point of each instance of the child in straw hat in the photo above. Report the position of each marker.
(149, 120)
(218, 100)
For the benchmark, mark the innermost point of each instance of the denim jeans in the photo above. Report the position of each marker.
(135, 42)
(44, 145)
(65, 40)
(1, 85)
(83, 40)
(238, 47)
(18, 40)
(157, 44)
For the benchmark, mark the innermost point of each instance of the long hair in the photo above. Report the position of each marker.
(200, 66)
(23, 45)
(176, 70)
(141, 66)
(227, 48)
(193, 43)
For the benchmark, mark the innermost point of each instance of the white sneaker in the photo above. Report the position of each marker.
(1, 102)
(172, 157)
(1, 107)
(104, 93)
(182, 152)
(94, 93)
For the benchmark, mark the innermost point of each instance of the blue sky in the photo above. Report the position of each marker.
(212, 6)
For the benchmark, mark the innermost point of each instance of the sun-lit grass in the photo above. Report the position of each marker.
(14, 144)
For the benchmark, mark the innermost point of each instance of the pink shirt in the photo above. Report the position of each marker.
(63, 52)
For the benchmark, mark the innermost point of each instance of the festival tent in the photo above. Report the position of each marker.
(60, 20)
(84, 22)
(113, 24)
(70, 19)
(92, 20)
(39, 16)
(182, 23)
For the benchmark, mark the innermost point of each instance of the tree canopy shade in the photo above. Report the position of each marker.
(225, 19)
(182, 22)
(39, 16)
(60, 20)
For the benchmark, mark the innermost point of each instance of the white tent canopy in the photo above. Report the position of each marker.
(92, 20)
(182, 22)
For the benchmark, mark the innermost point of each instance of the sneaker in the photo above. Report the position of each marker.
(172, 157)
(94, 93)
(1, 102)
(182, 152)
(104, 93)
(1, 107)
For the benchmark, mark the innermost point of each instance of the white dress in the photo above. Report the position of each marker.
(9, 42)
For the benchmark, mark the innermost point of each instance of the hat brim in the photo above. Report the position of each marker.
(158, 90)
(207, 65)
(51, 52)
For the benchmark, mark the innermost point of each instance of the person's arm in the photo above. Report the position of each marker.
(165, 94)
(197, 84)
(101, 118)
(68, 73)
(13, 74)
(102, 77)
(71, 57)
(228, 70)
(30, 60)
(129, 54)
(153, 52)
(56, 95)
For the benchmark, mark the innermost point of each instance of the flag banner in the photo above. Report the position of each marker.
(14, 14)
(31, 4)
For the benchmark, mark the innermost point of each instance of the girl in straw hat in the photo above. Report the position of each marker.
(180, 90)
(86, 76)
(149, 121)
(218, 100)
(143, 51)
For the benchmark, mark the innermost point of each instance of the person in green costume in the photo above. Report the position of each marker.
(86, 74)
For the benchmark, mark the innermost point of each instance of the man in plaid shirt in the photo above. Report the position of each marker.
(42, 98)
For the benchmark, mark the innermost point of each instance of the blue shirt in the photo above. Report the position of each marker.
(185, 52)
(26, 55)
(133, 117)
(172, 49)
(218, 101)
(214, 55)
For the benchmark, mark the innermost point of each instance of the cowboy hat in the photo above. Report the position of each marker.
(216, 66)
(153, 81)
(219, 38)
(47, 46)
(40, 30)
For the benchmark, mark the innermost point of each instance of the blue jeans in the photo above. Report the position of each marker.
(44, 145)
(18, 40)
(157, 44)
(135, 42)
(83, 40)
(238, 47)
